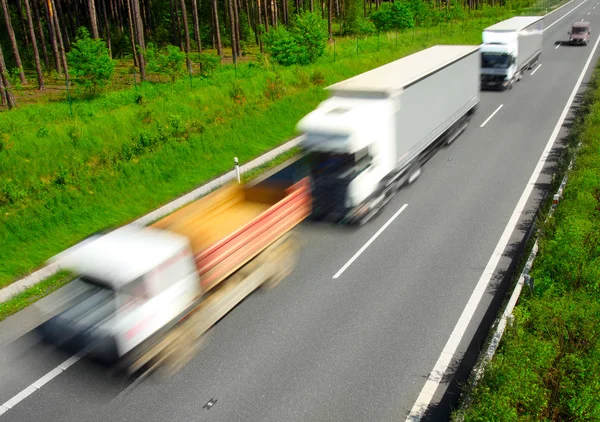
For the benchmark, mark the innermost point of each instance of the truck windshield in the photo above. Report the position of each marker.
(579, 30)
(495, 60)
(341, 166)
(330, 165)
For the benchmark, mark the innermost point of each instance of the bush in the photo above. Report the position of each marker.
(89, 63)
(393, 16)
(170, 63)
(302, 44)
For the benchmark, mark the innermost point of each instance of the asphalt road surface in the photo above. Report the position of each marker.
(358, 347)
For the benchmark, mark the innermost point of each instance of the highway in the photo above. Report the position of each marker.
(357, 344)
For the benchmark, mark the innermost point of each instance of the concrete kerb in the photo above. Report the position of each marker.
(507, 315)
(49, 270)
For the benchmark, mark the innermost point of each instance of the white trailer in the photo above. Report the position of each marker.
(377, 129)
(509, 49)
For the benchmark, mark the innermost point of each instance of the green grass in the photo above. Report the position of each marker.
(27, 297)
(547, 366)
(128, 152)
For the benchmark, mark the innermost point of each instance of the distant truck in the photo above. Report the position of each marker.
(510, 48)
(376, 130)
(144, 298)
(579, 33)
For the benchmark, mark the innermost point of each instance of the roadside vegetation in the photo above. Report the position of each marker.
(146, 121)
(547, 366)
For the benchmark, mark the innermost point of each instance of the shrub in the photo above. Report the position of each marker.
(302, 44)
(170, 63)
(89, 63)
(393, 16)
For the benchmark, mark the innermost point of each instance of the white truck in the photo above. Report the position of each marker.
(145, 298)
(376, 130)
(509, 49)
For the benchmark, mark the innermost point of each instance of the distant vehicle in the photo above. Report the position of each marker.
(145, 297)
(509, 49)
(377, 129)
(579, 33)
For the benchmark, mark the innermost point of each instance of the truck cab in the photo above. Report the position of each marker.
(579, 33)
(345, 142)
(131, 284)
(499, 60)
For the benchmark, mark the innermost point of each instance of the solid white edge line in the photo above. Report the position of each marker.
(441, 365)
(492, 115)
(536, 69)
(557, 20)
(366, 245)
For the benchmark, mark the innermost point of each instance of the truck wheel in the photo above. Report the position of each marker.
(282, 258)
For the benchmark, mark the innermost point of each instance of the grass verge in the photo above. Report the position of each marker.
(547, 366)
(33, 294)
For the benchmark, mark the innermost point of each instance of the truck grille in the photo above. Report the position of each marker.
(329, 199)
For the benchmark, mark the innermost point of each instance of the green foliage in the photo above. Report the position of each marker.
(548, 364)
(170, 62)
(89, 63)
(393, 16)
(302, 44)
(207, 63)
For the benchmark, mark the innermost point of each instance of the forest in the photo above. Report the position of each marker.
(64, 40)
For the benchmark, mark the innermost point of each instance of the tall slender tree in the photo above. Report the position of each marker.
(61, 45)
(36, 55)
(36, 11)
(52, 34)
(107, 35)
(13, 41)
(139, 36)
(187, 36)
(93, 18)
(215, 14)
(196, 22)
(132, 35)
(236, 21)
(329, 28)
(233, 36)
(7, 95)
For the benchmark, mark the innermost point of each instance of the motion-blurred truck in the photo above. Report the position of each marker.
(144, 298)
(377, 129)
(510, 48)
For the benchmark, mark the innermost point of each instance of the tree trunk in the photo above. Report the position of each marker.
(36, 11)
(233, 37)
(132, 35)
(13, 41)
(61, 18)
(36, 55)
(106, 28)
(196, 23)
(329, 19)
(139, 35)
(93, 18)
(178, 21)
(61, 45)
(266, 14)
(22, 21)
(217, 27)
(52, 34)
(258, 27)
(236, 21)
(7, 95)
(187, 36)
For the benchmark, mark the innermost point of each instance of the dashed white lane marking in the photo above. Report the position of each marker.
(435, 377)
(366, 245)
(492, 115)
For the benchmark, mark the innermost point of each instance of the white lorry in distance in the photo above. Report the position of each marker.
(376, 130)
(510, 48)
